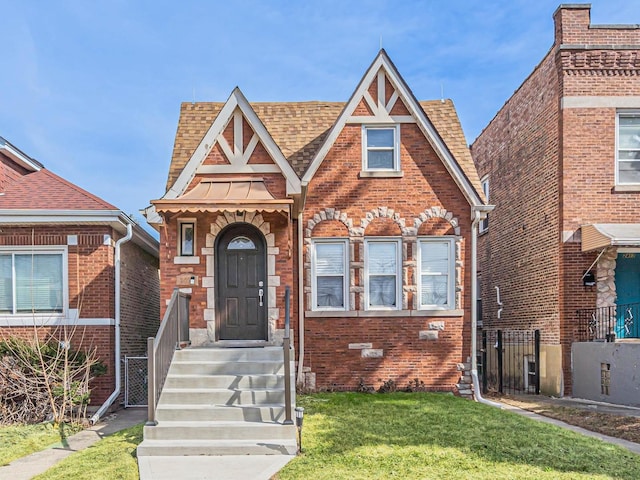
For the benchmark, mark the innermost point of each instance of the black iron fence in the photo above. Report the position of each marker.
(510, 361)
(608, 323)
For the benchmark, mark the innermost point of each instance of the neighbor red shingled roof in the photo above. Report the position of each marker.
(44, 190)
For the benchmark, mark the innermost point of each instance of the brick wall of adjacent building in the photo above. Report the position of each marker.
(539, 269)
(387, 206)
(519, 253)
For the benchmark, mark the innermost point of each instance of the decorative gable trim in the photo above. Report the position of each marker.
(235, 109)
(380, 68)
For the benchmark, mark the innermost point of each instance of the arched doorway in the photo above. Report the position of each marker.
(241, 284)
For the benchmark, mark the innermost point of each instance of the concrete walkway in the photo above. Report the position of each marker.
(28, 467)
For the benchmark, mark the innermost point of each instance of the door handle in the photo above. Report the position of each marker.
(261, 295)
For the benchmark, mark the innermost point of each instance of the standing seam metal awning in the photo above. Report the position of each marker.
(244, 194)
(601, 235)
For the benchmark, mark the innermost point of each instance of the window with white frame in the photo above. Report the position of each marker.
(32, 282)
(383, 274)
(484, 224)
(329, 272)
(187, 243)
(628, 148)
(436, 277)
(380, 150)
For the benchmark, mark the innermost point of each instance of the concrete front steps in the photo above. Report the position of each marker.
(222, 401)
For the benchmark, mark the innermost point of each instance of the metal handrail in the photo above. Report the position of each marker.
(286, 345)
(172, 334)
(608, 323)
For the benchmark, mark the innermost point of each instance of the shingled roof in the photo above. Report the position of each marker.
(299, 129)
(53, 193)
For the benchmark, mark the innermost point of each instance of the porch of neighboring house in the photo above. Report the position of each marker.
(606, 336)
(222, 366)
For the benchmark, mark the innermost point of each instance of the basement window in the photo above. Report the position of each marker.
(605, 378)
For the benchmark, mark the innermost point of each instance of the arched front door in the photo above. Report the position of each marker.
(241, 284)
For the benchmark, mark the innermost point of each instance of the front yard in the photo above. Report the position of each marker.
(403, 435)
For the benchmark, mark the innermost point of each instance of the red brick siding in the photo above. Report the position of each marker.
(425, 183)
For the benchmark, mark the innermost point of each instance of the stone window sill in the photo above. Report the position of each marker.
(383, 313)
(626, 188)
(186, 260)
(381, 174)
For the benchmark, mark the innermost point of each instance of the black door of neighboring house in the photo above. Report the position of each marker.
(241, 284)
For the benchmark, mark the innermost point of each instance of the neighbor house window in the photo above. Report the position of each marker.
(436, 276)
(187, 238)
(484, 224)
(329, 273)
(628, 154)
(382, 274)
(32, 282)
(380, 148)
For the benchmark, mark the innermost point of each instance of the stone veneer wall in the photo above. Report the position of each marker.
(606, 279)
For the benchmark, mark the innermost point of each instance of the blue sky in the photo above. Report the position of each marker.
(92, 89)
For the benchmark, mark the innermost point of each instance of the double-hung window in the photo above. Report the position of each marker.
(32, 282)
(628, 148)
(329, 273)
(382, 274)
(380, 148)
(436, 273)
(484, 224)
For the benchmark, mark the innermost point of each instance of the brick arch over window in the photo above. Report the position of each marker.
(437, 212)
(384, 212)
(208, 282)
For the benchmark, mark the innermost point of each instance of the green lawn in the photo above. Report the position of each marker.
(431, 436)
(21, 440)
(404, 436)
(113, 458)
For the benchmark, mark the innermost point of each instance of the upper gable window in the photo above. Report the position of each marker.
(380, 149)
(628, 154)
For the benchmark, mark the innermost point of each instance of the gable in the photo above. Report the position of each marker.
(383, 98)
(236, 142)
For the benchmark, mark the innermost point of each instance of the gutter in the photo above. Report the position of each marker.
(118, 369)
(478, 213)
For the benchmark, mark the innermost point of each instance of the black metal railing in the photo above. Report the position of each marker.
(608, 323)
(286, 345)
(510, 361)
(172, 334)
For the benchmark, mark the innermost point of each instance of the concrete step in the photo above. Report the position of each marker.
(203, 367)
(221, 447)
(226, 381)
(179, 431)
(208, 413)
(219, 396)
(230, 354)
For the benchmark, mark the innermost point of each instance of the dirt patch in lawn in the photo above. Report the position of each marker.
(626, 427)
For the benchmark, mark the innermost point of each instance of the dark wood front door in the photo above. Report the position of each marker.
(241, 284)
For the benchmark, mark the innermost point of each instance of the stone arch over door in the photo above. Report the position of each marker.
(224, 220)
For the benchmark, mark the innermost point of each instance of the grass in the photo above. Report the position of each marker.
(20, 440)
(432, 436)
(112, 458)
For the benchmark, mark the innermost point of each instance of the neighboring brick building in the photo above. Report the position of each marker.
(58, 254)
(364, 208)
(560, 161)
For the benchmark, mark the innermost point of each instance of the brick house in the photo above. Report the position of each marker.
(365, 209)
(560, 162)
(73, 266)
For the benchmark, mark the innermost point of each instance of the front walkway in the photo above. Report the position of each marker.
(39, 462)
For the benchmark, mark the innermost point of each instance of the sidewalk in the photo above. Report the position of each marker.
(27, 467)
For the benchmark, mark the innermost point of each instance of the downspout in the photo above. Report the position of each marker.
(303, 201)
(474, 311)
(116, 392)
